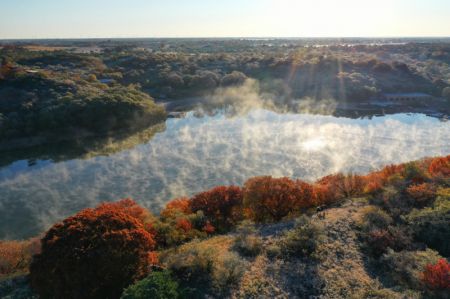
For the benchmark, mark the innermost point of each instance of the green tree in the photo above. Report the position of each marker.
(158, 285)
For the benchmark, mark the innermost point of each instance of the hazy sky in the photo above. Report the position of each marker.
(226, 18)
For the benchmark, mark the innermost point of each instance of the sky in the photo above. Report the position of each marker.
(227, 18)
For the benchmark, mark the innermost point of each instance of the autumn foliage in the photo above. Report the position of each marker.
(422, 194)
(271, 199)
(221, 205)
(16, 256)
(99, 252)
(179, 206)
(437, 277)
(94, 254)
(440, 167)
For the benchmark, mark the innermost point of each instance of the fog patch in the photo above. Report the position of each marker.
(197, 153)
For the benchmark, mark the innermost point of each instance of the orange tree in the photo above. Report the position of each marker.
(176, 207)
(221, 205)
(271, 199)
(422, 194)
(94, 254)
(440, 167)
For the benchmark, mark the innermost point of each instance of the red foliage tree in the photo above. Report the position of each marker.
(440, 167)
(422, 194)
(437, 277)
(333, 187)
(209, 228)
(94, 254)
(271, 199)
(184, 225)
(176, 207)
(221, 205)
(129, 207)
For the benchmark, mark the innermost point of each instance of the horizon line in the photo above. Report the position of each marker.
(227, 37)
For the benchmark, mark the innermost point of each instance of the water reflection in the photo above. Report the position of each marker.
(78, 149)
(195, 153)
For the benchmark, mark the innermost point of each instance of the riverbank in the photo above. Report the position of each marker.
(440, 108)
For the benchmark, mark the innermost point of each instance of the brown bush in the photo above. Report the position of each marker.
(16, 256)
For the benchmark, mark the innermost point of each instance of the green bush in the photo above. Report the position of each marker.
(380, 240)
(249, 245)
(405, 267)
(375, 218)
(393, 201)
(158, 285)
(247, 242)
(227, 273)
(303, 240)
(432, 225)
(201, 269)
(194, 266)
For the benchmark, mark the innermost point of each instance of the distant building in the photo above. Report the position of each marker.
(406, 97)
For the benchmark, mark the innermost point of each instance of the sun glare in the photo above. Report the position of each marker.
(314, 144)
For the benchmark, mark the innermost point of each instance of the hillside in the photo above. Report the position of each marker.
(380, 235)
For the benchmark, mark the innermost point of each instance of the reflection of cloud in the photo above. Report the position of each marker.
(197, 153)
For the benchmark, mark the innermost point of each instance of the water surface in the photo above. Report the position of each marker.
(196, 153)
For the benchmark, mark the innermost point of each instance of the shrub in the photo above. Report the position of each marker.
(220, 205)
(16, 288)
(440, 167)
(374, 218)
(380, 240)
(431, 225)
(247, 242)
(158, 285)
(193, 266)
(130, 207)
(273, 251)
(393, 201)
(209, 228)
(175, 231)
(422, 194)
(16, 256)
(227, 273)
(437, 276)
(176, 207)
(303, 240)
(405, 267)
(184, 225)
(94, 254)
(234, 78)
(205, 267)
(271, 199)
(413, 172)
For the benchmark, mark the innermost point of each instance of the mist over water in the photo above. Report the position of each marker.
(196, 153)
